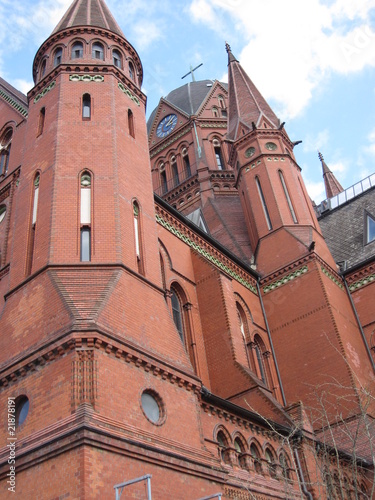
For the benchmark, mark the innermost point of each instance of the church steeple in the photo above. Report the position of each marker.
(89, 13)
(246, 104)
(332, 185)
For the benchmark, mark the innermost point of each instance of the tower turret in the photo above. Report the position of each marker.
(331, 184)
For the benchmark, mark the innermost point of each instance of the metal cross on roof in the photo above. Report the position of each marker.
(192, 71)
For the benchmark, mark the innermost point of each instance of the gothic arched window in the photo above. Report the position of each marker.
(254, 451)
(32, 230)
(218, 155)
(288, 199)
(177, 314)
(86, 107)
(263, 201)
(174, 169)
(131, 123)
(42, 117)
(185, 159)
(259, 353)
(131, 71)
(138, 237)
(85, 217)
(5, 144)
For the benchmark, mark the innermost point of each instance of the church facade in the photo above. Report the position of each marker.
(175, 313)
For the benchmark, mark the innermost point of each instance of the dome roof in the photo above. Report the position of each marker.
(187, 98)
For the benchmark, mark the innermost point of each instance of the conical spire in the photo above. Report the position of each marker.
(332, 185)
(246, 104)
(89, 13)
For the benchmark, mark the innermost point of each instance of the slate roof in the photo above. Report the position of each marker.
(89, 13)
(188, 98)
(343, 229)
(19, 96)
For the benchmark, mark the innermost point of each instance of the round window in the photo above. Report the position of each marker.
(22, 409)
(249, 152)
(271, 146)
(152, 407)
(3, 211)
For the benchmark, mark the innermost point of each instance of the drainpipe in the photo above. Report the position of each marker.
(196, 136)
(303, 484)
(271, 343)
(359, 324)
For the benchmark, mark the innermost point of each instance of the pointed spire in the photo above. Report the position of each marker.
(89, 13)
(246, 103)
(332, 185)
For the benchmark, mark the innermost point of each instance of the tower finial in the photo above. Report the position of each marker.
(320, 156)
(227, 47)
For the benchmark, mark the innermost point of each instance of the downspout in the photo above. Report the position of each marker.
(359, 324)
(300, 472)
(271, 343)
(197, 139)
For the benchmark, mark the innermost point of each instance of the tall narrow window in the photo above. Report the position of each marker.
(131, 71)
(215, 113)
(42, 117)
(177, 314)
(138, 239)
(289, 201)
(258, 344)
(256, 458)
(185, 158)
(77, 50)
(86, 107)
(263, 201)
(5, 145)
(176, 179)
(98, 51)
(218, 155)
(117, 58)
(163, 181)
(131, 123)
(31, 242)
(58, 57)
(85, 216)
(43, 69)
(222, 106)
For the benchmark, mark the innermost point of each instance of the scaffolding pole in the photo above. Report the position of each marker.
(119, 487)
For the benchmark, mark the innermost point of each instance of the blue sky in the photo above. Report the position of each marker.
(313, 60)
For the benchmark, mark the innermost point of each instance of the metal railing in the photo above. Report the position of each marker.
(346, 195)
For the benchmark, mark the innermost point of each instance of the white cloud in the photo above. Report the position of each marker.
(371, 139)
(292, 46)
(316, 190)
(146, 33)
(316, 142)
(22, 85)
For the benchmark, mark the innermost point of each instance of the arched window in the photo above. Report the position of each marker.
(77, 50)
(57, 57)
(215, 112)
(42, 117)
(32, 231)
(131, 71)
(43, 68)
(177, 314)
(270, 457)
(138, 237)
(162, 271)
(285, 466)
(222, 106)
(174, 169)
(98, 51)
(256, 458)
(117, 59)
(263, 201)
(86, 107)
(85, 218)
(5, 144)
(131, 123)
(289, 201)
(218, 155)
(223, 442)
(185, 159)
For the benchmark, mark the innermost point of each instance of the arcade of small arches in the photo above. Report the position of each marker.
(82, 50)
(248, 454)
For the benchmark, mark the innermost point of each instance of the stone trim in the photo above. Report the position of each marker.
(86, 78)
(332, 277)
(44, 91)
(198, 244)
(285, 279)
(127, 92)
(23, 111)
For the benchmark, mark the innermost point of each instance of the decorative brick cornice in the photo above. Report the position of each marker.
(363, 277)
(204, 249)
(333, 277)
(12, 102)
(166, 144)
(213, 124)
(111, 347)
(285, 279)
(45, 91)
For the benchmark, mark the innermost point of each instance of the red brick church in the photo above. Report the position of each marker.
(178, 320)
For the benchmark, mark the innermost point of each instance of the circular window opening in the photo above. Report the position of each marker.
(152, 407)
(3, 210)
(22, 409)
(271, 146)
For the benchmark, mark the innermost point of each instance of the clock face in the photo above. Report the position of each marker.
(166, 125)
